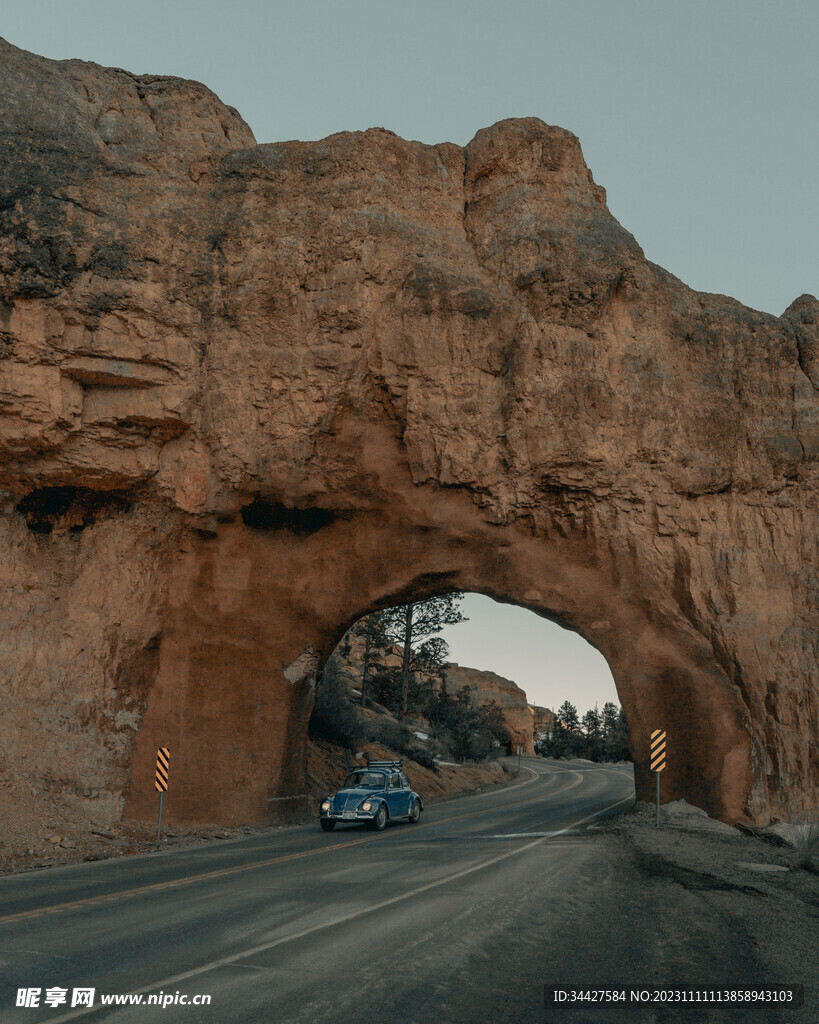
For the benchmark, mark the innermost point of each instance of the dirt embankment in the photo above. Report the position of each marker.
(46, 831)
(326, 769)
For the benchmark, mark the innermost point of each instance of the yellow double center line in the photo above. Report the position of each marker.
(225, 872)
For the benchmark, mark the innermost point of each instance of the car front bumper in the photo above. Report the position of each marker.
(347, 815)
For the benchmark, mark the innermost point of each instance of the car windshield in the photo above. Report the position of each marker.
(374, 780)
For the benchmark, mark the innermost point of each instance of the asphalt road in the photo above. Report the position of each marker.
(460, 918)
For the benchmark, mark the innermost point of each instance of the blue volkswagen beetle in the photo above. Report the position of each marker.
(379, 793)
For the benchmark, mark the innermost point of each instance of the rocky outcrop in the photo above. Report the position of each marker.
(486, 687)
(543, 720)
(249, 393)
(349, 656)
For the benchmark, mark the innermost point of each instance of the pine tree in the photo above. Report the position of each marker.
(609, 730)
(376, 642)
(567, 714)
(559, 746)
(609, 717)
(592, 727)
(415, 626)
(621, 748)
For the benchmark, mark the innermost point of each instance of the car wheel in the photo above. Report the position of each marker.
(379, 822)
(415, 811)
(327, 825)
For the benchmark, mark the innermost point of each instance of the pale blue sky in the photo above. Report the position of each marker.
(549, 663)
(699, 117)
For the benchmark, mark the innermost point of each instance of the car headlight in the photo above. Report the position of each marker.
(366, 806)
(326, 805)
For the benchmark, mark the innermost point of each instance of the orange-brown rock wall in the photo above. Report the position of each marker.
(81, 620)
(250, 392)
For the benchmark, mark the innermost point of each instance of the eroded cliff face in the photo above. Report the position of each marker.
(486, 687)
(250, 392)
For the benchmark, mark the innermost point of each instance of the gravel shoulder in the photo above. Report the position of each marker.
(706, 879)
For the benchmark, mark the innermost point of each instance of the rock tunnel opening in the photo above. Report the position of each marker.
(254, 614)
(659, 686)
(499, 681)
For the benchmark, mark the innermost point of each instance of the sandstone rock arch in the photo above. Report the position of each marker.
(250, 392)
(230, 584)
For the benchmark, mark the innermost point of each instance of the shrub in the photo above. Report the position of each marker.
(336, 717)
(806, 846)
(419, 753)
(440, 746)
(388, 733)
(385, 687)
(396, 736)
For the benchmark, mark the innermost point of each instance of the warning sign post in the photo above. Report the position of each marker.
(658, 762)
(163, 761)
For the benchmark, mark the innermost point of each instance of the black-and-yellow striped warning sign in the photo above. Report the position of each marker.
(658, 750)
(163, 760)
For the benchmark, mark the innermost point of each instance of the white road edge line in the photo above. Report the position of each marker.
(524, 835)
(511, 787)
(254, 950)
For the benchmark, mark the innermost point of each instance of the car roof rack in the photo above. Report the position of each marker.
(385, 764)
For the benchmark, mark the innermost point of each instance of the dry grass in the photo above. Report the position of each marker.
(806, 846)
